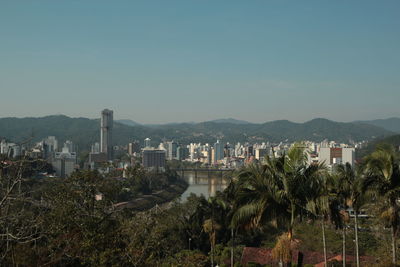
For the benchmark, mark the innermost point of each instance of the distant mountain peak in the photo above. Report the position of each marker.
(320, 120)
(230, 120)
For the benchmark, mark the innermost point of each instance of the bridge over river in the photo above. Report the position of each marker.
(205, 181)
(209, 171)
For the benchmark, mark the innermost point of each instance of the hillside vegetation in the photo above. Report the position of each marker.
(393, 140)
(390, 124)
(84, 132)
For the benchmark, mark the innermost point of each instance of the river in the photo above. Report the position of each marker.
(204, 184)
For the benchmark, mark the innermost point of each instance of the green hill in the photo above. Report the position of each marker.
(390, 124)
(84, 132)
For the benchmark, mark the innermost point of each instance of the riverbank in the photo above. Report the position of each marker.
(145, 202)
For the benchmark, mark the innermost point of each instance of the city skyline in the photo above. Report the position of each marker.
(202, 133)
(184, 61)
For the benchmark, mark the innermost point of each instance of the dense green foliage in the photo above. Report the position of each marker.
(61, 222)
(71, 221)
(393, 140)
(284, 191)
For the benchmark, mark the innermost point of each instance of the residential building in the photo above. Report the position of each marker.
(172, 147)
(97, 160)
(260, 153)
(218, 151)
(49, 146)
(10, 149)
(153, 158)
(133, 147)
(182, 153)
(64, 163)
(337, 155)
(68, 146)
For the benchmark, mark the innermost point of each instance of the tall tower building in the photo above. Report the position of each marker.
(172, 150)
(218, 151)
(133, 147)
(106, 145)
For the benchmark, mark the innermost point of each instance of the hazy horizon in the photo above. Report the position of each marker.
(212, 119)
(158, 62)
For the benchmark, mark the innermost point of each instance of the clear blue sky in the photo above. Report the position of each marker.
(195, 60)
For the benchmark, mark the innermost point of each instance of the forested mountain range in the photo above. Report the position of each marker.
(390, 124)
(83, 131)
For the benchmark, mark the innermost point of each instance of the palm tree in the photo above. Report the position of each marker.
(383, 179)
(210, 225)
(294, 182)
(350, 181)
(342, 217)
(229, 195)
(276, 192)
(325, 204)
(255, 200)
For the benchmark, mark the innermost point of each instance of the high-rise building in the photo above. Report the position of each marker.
(153, 158)
(260, 153)
(182, 153)
(172, 150)
(193, 151)
(3, 147)
(95, 148)
(337, 155)
(248, 151)
(238, 150)
(218, 151)
(133, 147)
(52, 143)
(10, 149)
(49, 146)
(97, 160)
(64, 163)
(229, 151)
(68, 146)
(106, 145)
